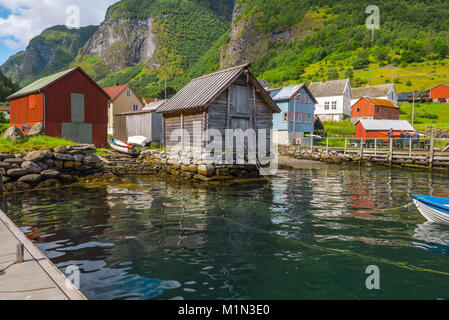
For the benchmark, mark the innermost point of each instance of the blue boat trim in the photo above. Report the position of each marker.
(433, 204)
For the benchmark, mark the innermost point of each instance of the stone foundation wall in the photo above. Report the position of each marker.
(48, 168)
(152, 161)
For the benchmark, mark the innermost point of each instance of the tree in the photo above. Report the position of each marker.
(440, 48)
(349, 73)
(332, 74)
(362, 59)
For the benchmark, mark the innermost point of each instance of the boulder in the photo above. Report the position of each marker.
(91, 159)
(32, 179)
(13, 133)
(78, 157)
(6, 165)
(63, 157)
(50, 174)
(206, 170)
(50, 163)
(6, 156)
(59, 164)
(35, 156)
(31, 167)
(37, 129)
(16, 173)
(60, 149)
(48, 154)
(14, 161)
(42, 165)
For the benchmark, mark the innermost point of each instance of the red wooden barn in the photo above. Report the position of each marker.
(372, 108)
(378, 129)
(440, 93)
(70, 104)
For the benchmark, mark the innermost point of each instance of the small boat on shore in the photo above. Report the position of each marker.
(123, 147)
(432, 208)
(139, 140)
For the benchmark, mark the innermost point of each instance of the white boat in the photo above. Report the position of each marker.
(432, 208)
(123, 147)
(139, 140)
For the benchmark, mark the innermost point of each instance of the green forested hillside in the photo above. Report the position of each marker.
(50, 52)
(6, 87)
(287, 41)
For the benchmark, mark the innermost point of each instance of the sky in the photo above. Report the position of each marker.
(21, 20)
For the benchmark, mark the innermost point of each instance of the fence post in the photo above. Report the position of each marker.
(346, 145)
(431, 151)
(410, 148)
(390, 155)
(311, 144)
(361, 149)
(327, 146)
(375, 147)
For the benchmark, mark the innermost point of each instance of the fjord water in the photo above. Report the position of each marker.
(307, 234)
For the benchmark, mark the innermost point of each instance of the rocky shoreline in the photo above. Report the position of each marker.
(43, 169)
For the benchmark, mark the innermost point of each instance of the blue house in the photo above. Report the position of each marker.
(297, 115)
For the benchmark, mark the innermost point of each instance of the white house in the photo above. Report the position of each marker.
(334, 99)
(384, 91)
(6, 111)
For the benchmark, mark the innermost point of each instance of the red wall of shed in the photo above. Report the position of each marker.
(27, 110)
(439, 92)
(58, 106)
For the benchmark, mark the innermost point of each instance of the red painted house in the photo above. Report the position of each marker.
(372, 108)
(440, 93)
(70, 104)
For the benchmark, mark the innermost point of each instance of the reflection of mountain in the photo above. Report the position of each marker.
(432, 237)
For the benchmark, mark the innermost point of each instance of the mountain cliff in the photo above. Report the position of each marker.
(150, 42)
(52, 51)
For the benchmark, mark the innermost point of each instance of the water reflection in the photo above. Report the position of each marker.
(153, 238)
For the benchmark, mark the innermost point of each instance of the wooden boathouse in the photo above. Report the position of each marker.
(228, 99)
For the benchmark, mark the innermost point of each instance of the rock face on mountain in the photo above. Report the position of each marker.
(122, 42)
(50, 52)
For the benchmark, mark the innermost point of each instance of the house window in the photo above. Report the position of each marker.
(285, 117)
(326, 105)
(334, 105)
(358, 109)
(135, 107)
(128, 93)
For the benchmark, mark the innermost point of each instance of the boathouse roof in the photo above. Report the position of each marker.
(202, 91)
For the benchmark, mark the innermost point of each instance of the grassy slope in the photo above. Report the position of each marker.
(32, 143)
(435, 114)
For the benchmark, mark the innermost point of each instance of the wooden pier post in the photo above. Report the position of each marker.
(431, 151)
(375, 147)
(390, 155)
(361, 149)
(346, 146)
(311, 144)
(327, 146)
(410, 148)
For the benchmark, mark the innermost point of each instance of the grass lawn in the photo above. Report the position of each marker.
(436, 114)
(339, 129)
(31, 143)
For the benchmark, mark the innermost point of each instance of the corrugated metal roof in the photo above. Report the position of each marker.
(372, 91)
(39, 84)
(200, 92)
(382, 102)
(328, 88)
(385, 125)
(154, 105)
(287, 92)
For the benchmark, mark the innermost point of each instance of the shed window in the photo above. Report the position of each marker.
(285, 116)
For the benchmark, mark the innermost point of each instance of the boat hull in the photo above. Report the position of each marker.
(431, 213)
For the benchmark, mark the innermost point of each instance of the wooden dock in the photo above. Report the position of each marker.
(36, 278)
